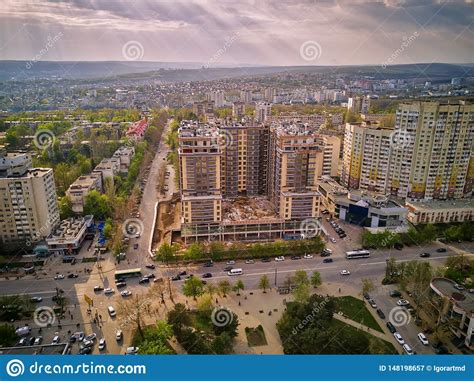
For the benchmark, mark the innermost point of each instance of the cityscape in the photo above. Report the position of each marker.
(223, 178)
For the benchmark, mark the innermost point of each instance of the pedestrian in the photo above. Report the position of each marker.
(339, 289)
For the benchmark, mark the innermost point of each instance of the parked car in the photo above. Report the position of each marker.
(281, 258)
(144, 280)
(458, 287)
(332, 239)
(228, 268)
(372, 303)
(31, 340)
(131, 351)
(59, 277)
(407, 349)
(182, 273)
(126, 293)
(152, 266)
(403, 303)
(230, 263)
(108, 291)
(207, 275)
(175, 278)
(249, 261)
(56, 340)
(366, 296)
(266, 259)
(391, 327)
(295, 257)
(102, 344)
(38, 340)
(91, 337)
(380, 313)
(135, 246)
(345, 272)
(98, 288)
(119, 335)
(208, 264)
(421, 336)
(307, 256)
(72, 276)
(121, 284)
(327, 260)
(395, 294)
(398, 246)
(399, 338)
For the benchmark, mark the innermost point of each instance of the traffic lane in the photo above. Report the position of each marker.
(401, 318)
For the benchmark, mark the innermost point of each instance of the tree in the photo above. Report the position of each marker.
(98, 205)
(211, 289)
(301, 292)
(131, 312)
(193, 287)
(165, 253)
(264, 283)
(224, 287)
(8, 336)
(316, 279)
(155, 339)
(239, 285)
(367, 285)
(194, 252)
(300, 278)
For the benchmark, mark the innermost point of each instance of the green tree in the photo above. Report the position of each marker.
(194, 252)
(367, 285)
(8, 336)
(155, 339)
(300, 277)
(65, 208)
(316, 279)
(165, 253)
(224, 287)
(98, 205)
(193, 287)
(239, 286)
(301, 292)
(264, 283)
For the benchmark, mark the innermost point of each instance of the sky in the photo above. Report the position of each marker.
(261, 32)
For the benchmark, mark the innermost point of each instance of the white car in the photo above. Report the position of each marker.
(91, 337)
(119, 335)
(230, 262)
(102, 344)
(131, 350)
(126, 293)
(59, 277)
(109, 290)
(249, 261)
(399, 338)
(333, 240)
(56, 340)
(422, 338)
(38, 340)
(345, 272)
(407, 349)
(137, 235)
(307, 256)
(403, 302)
(36, 299)
(280, 259)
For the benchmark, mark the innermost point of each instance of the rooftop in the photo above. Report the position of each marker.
(441, 204)
(463, 299)
(191, 129)
(244, 208)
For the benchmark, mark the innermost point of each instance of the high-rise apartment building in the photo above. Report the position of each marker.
(432, 151)
(238, 110)
(28, 207)
(366, 157)
(202, 108)
(358, 104)
(262, 111)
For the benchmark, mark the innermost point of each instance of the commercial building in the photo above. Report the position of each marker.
(437, 212)
(28, 207)
(361, 207)
(366, 157)
(67, 238)
(460, 314)
(432, 152)
(79, 189)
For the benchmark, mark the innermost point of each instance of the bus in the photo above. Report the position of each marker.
(130, 273)
(357, 254)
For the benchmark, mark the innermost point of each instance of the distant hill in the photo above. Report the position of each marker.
(193, 71)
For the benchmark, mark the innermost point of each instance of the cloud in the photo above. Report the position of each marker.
(269, 32)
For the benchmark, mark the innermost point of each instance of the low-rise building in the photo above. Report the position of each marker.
(438, 212)
(125, 155)
(461, 311)
(67, 238)
(79, 189)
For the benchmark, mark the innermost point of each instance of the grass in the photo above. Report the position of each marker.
(255, 336)
(376, 346)
(356, 310)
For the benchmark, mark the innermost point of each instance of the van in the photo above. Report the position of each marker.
(234, 272)
(111, 310)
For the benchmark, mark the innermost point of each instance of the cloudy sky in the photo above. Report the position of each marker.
(267, 32)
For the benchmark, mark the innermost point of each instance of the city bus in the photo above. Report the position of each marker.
(129, 273)
(357, 254)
